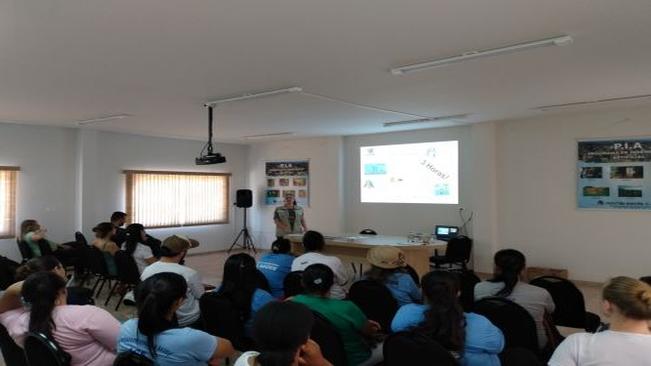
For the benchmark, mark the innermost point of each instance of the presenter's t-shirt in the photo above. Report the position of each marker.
(174, 347)
(275, 268)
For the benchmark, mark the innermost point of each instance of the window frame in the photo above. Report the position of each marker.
(12, 203)
(129, 195)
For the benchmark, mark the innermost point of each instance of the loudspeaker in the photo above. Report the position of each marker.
(244, 198)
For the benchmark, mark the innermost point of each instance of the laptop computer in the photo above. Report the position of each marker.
(445, 232)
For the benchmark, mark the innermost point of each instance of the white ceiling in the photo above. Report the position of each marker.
(160, 60)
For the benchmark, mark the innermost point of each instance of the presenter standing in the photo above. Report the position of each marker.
(289, 218)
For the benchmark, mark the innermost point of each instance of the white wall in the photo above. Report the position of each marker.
(46, 184)
(107, 154)
(326, 209)
(537, 196)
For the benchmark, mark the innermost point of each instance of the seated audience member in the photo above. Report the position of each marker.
(345, 316)
(47, 263)
(103, 234)
(88, 333)
(281, 331)
(470, 337)
(509, 268)
(388, 267)
(154, 333)
(241, 286)
(35, 235)
(276, 265)
(118, 219)
(313, 242)
(627, 305)
(135, 246)
(173, 251)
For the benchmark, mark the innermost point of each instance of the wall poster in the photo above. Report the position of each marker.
(614, 174)
(287, 178)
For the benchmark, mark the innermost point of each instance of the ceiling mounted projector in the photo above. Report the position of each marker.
(207, 156)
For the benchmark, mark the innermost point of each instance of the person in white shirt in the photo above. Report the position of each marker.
(509, 269)
(173, 251)
(313, 242)
(627, 304)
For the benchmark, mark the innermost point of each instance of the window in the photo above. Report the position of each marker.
(167, 199)
(8, 177)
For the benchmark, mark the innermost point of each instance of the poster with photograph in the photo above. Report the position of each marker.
(614, 174)
(287, 178)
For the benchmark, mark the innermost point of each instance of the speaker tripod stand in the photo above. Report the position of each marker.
(247, 240)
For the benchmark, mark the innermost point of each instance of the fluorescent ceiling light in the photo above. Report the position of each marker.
(587, 102)
(268, 93)
(102, 119)
(269, 135)
(426, 120)
(554, 41)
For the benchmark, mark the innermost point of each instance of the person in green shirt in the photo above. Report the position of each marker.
(345, 316)
(33, 233)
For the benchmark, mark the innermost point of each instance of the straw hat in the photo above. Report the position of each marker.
(386, 257)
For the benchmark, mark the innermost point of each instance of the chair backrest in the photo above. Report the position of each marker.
(25, 250)
(11, 352)
(375, 300)
(222, 319)
(569, 301)
(468, 280)
(45, 247)
(130, 358)
(7, 272)
(95, 261)
(368, 232)
(459, 248)
(80, 238)
(293, 284)
(40, 350)
(329, 339)
(127, 268)
(513, 320)
(413, 348)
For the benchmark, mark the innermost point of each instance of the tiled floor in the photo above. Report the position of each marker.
(210, 266)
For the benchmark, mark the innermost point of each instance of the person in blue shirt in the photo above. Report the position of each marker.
(155, 335)
(388, 266)
(276, 265)
(470, 337)
(241, 285)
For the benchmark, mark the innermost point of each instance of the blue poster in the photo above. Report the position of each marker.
(614, 174)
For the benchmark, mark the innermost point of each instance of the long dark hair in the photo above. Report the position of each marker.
(279, 329)
(444, 318)
(239, 282)
(44, 263)
(134, 236)
(508, 264)
(40, 291)
(154, 299)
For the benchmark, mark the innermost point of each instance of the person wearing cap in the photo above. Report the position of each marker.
(118, 219)
(173, 251)
(388, 267)
(313, 243)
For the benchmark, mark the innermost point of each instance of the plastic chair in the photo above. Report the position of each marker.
(80, 238)
(293, 284)
(11, 352)
(570, 304)
(467, 280)
(514, 321)
(328, 338)
(96, 263)
(222, 319)
(128, 276)
(375, 300)
(25, 250)
(41, 350)
(413, 348)
(457, 252)
(130, 358)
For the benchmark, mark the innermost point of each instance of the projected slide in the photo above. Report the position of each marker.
(410, 173)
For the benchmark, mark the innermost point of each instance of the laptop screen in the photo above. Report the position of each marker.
(443, 231)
